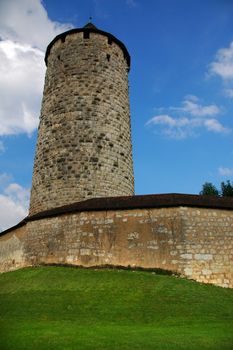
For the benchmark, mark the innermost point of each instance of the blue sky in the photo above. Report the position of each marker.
(181, 89)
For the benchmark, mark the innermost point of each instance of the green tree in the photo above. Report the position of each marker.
(227, 189)
(209, 189)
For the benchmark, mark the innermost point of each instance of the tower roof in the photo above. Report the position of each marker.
(89, 28)
(90, 25)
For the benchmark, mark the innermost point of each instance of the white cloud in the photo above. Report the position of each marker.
(25, 31)
(223, 65)
(14, 201)
(225, 171)
(223, 68)
(172, 127)
(27, 22)
(22, 76)
(188, 120)
(17, 193)
(215, 125)
(192, 106)
(165, 119)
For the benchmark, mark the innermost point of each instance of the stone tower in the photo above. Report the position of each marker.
(84, 139)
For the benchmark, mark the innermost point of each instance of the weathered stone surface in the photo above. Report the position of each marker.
(84, 141)
(12, 250)
(198, 243)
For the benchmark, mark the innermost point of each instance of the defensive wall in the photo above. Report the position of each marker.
(188, 234)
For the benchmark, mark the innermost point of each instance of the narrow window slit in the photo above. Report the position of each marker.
(86, 35)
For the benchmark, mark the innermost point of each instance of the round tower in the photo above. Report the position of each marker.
(84, 138)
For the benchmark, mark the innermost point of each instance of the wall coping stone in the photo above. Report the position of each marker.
(132, 202)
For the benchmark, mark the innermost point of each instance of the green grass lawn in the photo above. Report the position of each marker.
(69, 308)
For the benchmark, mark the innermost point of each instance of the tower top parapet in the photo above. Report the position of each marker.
(89, 28)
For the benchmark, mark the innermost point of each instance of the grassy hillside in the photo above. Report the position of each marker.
(68, 308)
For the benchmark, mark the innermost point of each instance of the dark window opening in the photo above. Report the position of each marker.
(110, 41)
(86, 35)
(108, 57)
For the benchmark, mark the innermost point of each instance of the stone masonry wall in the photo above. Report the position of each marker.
(196, 242)
(12, 254)
(84, 141)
